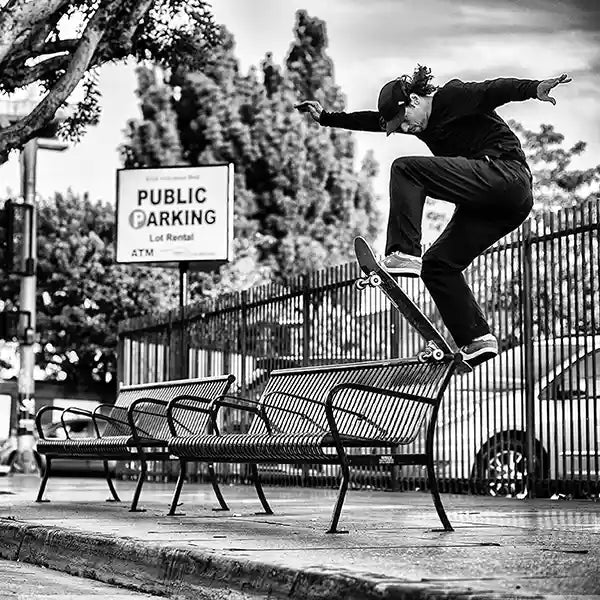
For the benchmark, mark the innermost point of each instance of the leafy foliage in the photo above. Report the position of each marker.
(54, 44)
(298, 199)
(83, 294)
(556, 183)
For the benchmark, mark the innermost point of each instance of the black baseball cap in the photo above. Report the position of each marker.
(392, 102)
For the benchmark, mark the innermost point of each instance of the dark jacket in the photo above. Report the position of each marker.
(462, 122)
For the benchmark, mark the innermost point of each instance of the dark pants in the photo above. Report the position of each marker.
(492, 199)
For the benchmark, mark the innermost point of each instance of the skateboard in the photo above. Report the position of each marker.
(437, 348)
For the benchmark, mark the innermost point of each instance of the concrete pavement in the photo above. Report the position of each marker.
(394, 549)
(21, 581)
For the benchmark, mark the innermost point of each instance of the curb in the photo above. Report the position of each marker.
(169, 570)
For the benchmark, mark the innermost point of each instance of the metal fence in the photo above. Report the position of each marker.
(524, 423)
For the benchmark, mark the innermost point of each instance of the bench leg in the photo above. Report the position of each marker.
(111, 487)
(437, 501)
(337, 510)
(259, 490)
(138, 487)
(45, 475)
(216, 488)
(177, 492)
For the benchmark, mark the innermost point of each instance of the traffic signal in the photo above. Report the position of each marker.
(15, 325)
(6, 237)
(16, 220)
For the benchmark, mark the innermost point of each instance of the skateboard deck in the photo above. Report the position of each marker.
(376, 276)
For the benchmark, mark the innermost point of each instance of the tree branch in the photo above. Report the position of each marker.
(18, 133)
(21, 76)
(18, 19)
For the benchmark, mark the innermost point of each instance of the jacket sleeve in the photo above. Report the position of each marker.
(366, 120)
(487, 95)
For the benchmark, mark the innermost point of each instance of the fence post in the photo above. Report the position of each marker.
(121, 357)
(306, 321)
(243, 340)
(527, 267)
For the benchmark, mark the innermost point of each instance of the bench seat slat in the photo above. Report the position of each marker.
(259, 448)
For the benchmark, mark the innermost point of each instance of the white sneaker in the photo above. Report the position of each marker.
(399, 263)
(480, 349)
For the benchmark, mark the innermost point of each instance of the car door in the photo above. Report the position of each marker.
(570, 419)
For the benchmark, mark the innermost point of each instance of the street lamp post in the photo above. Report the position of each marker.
(25, 458)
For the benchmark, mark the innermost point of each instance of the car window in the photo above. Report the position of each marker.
(79, 427)
(581, 378)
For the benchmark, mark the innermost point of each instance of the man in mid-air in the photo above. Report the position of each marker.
(477, 164)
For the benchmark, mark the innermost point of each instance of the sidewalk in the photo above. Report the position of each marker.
(500, 549)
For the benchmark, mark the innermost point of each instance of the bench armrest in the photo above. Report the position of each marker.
(96, 414)
(189, 403)
(77, 411)
(241, 402)
(38, 418)
(245, 404)
(331, 408)
(266, 404)
(134, 409)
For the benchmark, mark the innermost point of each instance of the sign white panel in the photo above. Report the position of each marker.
(175, 214)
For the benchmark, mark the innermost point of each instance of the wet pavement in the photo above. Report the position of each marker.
(501, 548)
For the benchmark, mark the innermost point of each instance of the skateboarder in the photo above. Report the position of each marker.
(477, 164)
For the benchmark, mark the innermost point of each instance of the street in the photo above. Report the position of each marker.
(22, 581)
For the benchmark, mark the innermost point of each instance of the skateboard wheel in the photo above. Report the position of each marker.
(438, 354)
(422, 357)
(375, 280)
(360, 284)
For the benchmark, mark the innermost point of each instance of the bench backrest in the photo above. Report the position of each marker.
(374, 416)
(155, 424)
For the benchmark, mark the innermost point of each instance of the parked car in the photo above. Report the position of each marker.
(482, 433)
(75, 427)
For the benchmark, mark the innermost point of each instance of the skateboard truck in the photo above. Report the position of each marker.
(430, 352)
(372, 280)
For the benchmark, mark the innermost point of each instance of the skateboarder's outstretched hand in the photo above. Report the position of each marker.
(312, 107)
(544, 87)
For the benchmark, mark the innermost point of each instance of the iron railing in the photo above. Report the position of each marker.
(524, 423)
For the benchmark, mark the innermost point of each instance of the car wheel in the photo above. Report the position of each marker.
(501, 466)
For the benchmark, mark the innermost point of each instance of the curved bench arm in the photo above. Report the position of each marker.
(206, 408)
(96, 414)
(245, 404)
(266, 404)
(38, 419)
(133, 409)
(77, 411)
(331, 408)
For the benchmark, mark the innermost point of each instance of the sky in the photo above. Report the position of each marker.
(371, 43)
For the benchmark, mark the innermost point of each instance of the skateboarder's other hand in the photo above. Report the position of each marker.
(312, 107)
(544, 87)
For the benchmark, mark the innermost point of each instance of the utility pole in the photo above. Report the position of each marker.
(23, 406)
(25, 459)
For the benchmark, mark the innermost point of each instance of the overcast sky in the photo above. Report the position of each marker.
(370, 43)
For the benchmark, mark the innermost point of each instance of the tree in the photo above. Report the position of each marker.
(83, 294)
(39, 45)
(556, 183)
(298, 199)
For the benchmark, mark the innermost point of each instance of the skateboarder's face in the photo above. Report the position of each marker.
(416, 115)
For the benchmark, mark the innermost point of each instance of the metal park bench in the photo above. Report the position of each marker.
(135, 429)
(322, 415)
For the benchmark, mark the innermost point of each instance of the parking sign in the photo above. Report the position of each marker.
(175, 214)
